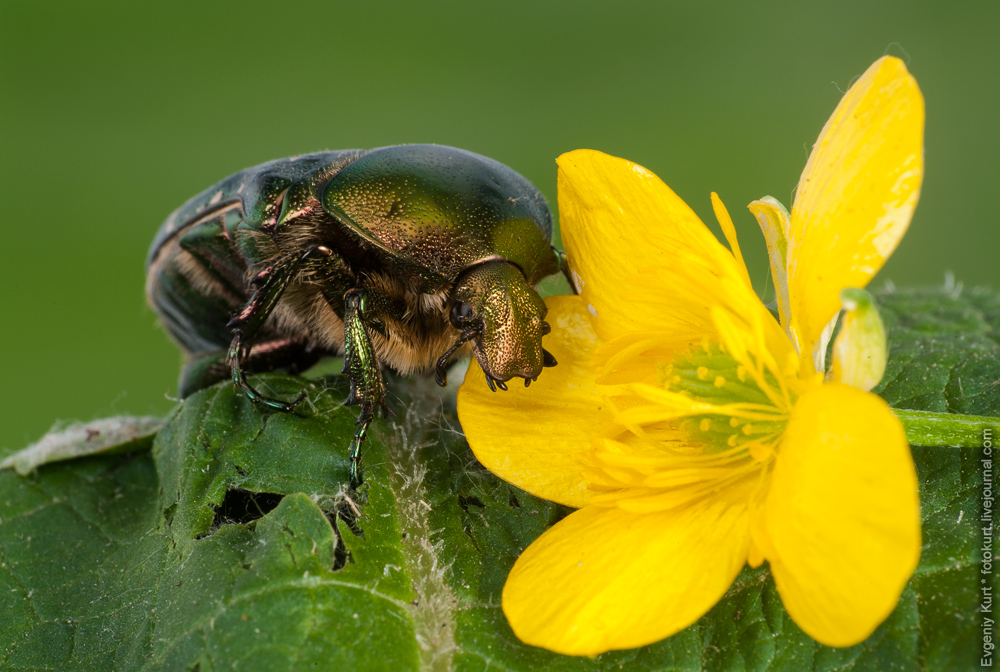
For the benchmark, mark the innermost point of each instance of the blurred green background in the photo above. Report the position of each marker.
(114, 113)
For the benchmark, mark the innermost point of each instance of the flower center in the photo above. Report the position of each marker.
(711, 429)
(751, 410)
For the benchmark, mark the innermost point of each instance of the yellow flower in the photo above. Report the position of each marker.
(689, 427)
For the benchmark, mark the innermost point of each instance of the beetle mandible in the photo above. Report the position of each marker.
(399, 256)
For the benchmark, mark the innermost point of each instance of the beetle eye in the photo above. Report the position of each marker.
(461, 313)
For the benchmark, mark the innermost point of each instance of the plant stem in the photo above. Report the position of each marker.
(925, 428)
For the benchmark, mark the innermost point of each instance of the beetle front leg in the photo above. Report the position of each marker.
(361, 363)
(565, 269)
(268, 286)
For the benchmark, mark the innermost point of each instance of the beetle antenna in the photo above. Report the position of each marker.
(439, 373)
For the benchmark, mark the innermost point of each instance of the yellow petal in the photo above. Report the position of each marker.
(607, 208)
(774, 224)
(645, 264)
(842, 514)
(531, 436)
(856, 195)
(604, 578)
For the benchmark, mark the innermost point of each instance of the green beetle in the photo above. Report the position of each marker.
(398, 256)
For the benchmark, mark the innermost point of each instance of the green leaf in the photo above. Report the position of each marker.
(111, 436)
(235, 544)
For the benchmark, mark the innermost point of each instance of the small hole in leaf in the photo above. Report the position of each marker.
(513, 501)
(346, 511)
(242, 507)
(168, 514)
(466, 502)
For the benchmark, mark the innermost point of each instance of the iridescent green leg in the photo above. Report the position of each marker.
(268, 286)
(361, 363)
(291, 355)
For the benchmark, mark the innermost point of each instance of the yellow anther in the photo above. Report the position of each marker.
(732, 440)
(702, 373)
(733, 422)
(720, 381)
(748, 429)
(705, 424)
(760, 452)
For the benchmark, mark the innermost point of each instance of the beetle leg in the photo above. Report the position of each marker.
(268, 286)
(439, 373)
(291, 355)
(564, 267)
(238, 355)
(361, 363)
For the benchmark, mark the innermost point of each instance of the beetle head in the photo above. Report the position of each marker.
(494, 307)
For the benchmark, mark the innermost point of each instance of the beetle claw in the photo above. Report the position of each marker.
(502, 385)
(527, 382)
(440, 377)
(546, 329)
(277, 404)
(489, 381)
(547, 358)
(439, 373)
